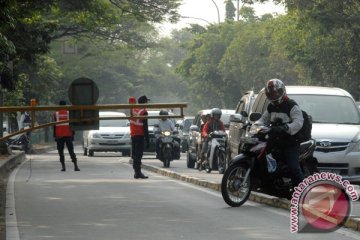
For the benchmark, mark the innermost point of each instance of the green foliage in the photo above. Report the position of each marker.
(29, 27)
(229, 11)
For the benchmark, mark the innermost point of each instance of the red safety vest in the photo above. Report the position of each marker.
(62, 129)
(136, 124)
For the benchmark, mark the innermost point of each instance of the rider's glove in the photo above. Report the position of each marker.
(279, 129)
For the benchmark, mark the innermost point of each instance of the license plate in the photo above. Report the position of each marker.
(167, 139)
(330, 171)
(111, 142)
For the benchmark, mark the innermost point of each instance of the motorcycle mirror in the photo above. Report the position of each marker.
(255, 116)
(244, 113)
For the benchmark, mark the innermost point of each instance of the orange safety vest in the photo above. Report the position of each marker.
(136, 124)
(62, 129)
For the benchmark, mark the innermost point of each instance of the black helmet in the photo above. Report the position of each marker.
(216, 112)
(275, 91)
(163, 112)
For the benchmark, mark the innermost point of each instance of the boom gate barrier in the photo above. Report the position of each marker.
(33, 109)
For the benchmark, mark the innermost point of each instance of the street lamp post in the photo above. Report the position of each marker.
(217, 8)
(196, 18)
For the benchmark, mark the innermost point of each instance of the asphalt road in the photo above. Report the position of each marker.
(103, 201)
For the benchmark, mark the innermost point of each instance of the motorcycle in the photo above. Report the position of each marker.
(20, 142)
(257, 168)
(216, 154)
(169, 147)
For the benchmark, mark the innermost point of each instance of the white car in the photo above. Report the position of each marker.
(113, 136)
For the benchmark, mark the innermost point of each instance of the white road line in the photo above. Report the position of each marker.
(12, 231)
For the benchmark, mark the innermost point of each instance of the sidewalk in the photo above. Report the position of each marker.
(212, 181)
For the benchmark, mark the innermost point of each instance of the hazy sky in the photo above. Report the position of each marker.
(207, 12)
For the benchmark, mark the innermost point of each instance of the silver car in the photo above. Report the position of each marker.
(112, 136)
(336, 126)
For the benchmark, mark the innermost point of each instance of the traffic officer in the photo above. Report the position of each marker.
(64, 135)
(139, 135)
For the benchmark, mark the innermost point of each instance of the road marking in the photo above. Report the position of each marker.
(12, 230)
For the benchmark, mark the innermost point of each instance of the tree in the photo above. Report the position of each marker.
(229, 10)
(30, 26)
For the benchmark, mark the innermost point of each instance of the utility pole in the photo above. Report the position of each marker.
(237, 10)
(1, 104)
(218, 12)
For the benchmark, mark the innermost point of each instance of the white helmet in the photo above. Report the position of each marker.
(275, 91)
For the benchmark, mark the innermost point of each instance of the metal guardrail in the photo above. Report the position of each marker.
(82, 108)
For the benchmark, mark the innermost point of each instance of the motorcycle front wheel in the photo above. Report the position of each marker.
(167, 153)
(234, 190)
(221, 161)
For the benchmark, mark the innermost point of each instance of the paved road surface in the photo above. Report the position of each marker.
(103, 201)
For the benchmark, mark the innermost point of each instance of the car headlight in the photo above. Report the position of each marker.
(96, 135)
(355, 146)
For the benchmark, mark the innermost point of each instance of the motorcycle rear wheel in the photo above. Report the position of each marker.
(234, 191)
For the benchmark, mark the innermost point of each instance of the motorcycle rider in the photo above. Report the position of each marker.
(213, 124)
(165, 124)
(285, 110)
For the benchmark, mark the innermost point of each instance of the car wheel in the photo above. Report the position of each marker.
(85, 151)
(91, 153)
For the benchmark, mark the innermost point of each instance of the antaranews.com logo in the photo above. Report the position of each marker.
(321, 203)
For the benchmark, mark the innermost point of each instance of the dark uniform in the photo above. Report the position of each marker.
(64, 135)
(139, 134)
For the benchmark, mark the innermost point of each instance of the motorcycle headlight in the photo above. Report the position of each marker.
(96, 135)
(167, 133)
(254, 129)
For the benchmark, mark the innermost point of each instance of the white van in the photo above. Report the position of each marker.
(112, 136)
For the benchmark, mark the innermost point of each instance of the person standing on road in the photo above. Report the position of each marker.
(139, 136)
(64, 135)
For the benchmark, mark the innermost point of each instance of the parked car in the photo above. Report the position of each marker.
(112, 136)
(336, 126)
(194, 149)
(237, 124)
(184, 132)
(151, 123)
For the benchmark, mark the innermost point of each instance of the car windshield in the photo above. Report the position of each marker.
(329, 109)
(225, 118)
(187, 123)
(113, 123)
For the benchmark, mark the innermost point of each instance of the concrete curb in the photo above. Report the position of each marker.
(351, 223)
(13, 160)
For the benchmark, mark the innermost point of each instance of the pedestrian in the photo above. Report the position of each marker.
(64, 135)
(25, 120)
(139, 136)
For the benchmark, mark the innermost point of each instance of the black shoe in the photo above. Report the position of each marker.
(63, 169)
(140, 175)
(76, 169)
